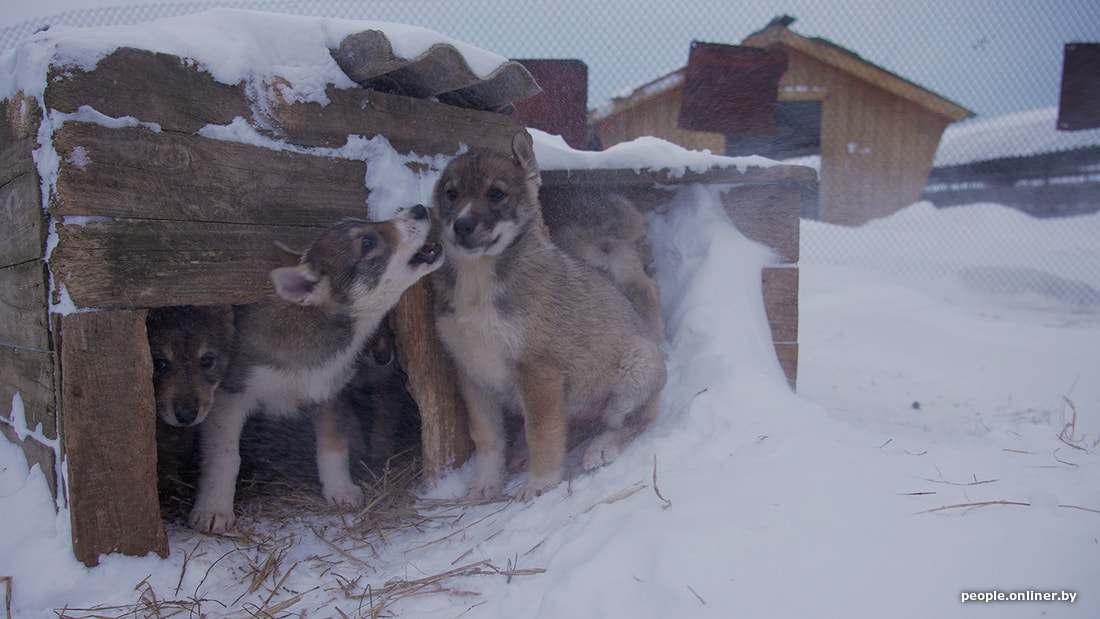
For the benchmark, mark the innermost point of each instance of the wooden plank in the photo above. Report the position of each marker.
(767, 214)
(30, 373)
(445, 433)
(23, 312)
(18, 136)
(410, 125)
(788, 360)
(151, 263)
(108, 433)
(151, 87)
(22, 224)
(135, 172)
(651, 179)
(780, 289)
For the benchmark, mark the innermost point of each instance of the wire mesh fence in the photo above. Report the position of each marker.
(994, 58)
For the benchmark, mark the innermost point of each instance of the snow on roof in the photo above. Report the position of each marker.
(633, 95)
(236, 45)
(1022, 134)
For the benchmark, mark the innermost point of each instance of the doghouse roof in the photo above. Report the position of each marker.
(303, 55)
(777, 34)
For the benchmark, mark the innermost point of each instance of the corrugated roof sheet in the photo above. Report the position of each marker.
(441, 72)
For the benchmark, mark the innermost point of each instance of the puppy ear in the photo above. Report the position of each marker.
(287, 256)
(521, 147)
(297, 284)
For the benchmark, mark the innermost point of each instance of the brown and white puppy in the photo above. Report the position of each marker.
(190, 348)
(533, 331)
(296, 351)
(608, 233)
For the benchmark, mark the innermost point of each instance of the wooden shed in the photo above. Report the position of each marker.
(154, 212)
(876, 132)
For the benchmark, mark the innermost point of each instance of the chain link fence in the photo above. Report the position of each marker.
(995, 58)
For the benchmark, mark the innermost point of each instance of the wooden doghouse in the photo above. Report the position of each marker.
(876, 132)
(154, 215)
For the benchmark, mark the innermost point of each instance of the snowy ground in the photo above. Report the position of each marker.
(928, 453)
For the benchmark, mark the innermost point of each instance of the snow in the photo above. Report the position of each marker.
(1021, 134)
(1033, 132)
(943, 440)
(233, 45)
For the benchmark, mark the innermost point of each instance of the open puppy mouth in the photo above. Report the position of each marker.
(427, 254)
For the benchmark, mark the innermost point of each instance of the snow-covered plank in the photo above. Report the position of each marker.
(410, 125)
(135, 172)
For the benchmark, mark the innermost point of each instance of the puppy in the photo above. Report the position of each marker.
(380, 399)
(190, 348)
(296, 350)
(609, 234)
(533, 331)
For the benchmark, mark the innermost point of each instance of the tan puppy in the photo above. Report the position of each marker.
(533, 331)
(295, 352)
(609, 234)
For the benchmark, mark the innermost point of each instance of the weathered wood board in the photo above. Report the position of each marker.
(109, 435)
(137, 173)
(444, 430)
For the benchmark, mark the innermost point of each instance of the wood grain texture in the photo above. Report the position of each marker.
(31, 374)
(24, 320)
(152, 263)
(108, 433)
(151, 87)
(445, 430)
(410, 125)
(137, 173)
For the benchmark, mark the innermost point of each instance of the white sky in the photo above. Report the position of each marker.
(993, 57)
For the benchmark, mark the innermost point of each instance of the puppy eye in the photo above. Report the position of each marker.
(451, 194)
(160, 365)
(367, 244)
(495, 194)
(207, 361)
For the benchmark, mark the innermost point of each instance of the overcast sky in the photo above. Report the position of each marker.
(990, 56)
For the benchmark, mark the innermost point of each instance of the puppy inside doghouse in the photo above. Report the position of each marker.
(384, 430)
(190, 347)
(296, 351)
(533, 331)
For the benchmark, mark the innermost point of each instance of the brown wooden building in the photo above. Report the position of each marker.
(876, 132)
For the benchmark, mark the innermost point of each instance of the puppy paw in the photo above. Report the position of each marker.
(482, 489)
(351, 497)
(601, 452)
(535, 487)
(208, 521)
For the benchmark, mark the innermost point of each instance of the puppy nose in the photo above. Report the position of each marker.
(187, 416)
(419, 212)
(464, 226)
